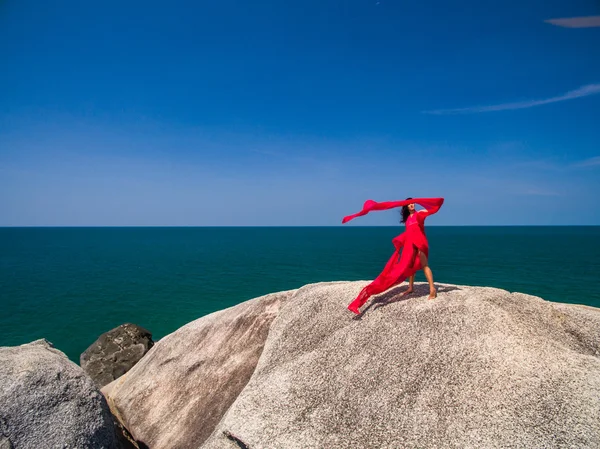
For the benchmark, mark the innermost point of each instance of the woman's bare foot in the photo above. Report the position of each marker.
(432, 294)
(407, 292)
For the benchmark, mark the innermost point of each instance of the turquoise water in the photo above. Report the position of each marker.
(69, 285)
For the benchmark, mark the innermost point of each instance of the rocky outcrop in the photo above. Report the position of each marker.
(176, 395)
(115, 352)
(475, 368)
(47, 401)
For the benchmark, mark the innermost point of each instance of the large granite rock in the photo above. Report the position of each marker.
(474, 368)
(176, 395)
(115, 352)
(47, 401)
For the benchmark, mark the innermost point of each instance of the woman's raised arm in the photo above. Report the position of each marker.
(431, 205)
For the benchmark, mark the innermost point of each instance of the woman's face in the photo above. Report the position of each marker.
(411, 207)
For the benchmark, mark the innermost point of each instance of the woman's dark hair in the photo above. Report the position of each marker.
(405, 212)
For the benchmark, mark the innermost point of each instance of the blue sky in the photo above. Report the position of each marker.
(294, 113)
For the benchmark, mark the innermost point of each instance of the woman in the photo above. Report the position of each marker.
(412, 248)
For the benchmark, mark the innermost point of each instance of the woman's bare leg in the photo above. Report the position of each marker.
(411, 281)
(428, 275)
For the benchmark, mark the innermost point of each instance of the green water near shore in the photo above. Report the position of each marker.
(69, 285)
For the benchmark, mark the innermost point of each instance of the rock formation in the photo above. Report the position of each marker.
(47, 401)
(115, 352)
(175, 396)
(475, 368)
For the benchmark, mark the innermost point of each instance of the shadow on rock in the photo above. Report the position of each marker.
(395, 294)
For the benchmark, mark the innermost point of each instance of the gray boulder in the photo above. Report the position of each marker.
(176, 395)
(475, 368)
(47, 401)
(115, 352)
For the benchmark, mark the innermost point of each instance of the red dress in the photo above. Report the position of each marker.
(404, 262)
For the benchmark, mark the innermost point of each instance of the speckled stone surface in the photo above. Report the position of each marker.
(47, 401)
(178, 392)
(477, 367)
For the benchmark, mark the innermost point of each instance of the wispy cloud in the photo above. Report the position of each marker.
(557, 165)
(270, 153)
(591, 162)
(576, 22)
(287, 156)
(584, 91)
(539, 164)
(539, 192)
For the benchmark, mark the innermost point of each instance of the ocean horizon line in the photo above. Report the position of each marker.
(291, 226)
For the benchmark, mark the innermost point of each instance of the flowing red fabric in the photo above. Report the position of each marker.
(404, 262)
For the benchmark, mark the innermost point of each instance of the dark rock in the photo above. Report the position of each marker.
(47, 401)
(115, 352)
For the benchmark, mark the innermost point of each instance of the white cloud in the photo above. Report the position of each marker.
(584, 91)
(576, 22)
(591, 162)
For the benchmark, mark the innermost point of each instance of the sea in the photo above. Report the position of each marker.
(70, 285)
